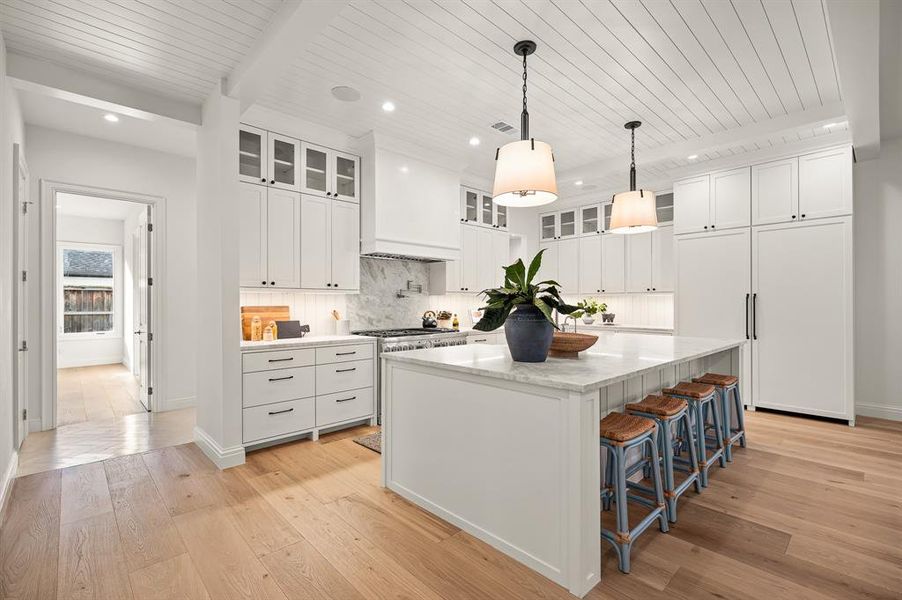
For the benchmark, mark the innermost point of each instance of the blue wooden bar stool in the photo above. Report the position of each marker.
(618, 434)
(669, 412)
(702, 405)
(728, 389)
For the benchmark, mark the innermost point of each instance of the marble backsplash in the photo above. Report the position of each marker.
(378, 305)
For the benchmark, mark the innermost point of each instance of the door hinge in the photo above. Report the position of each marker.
(150, 227)
(24, 346)
(24, 275)
(25, 207)
(150, 337)
(24, 414)
(150, 281)
(150, 391)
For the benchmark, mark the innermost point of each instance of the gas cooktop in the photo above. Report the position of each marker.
(393, 333)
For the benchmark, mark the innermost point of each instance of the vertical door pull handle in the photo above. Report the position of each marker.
(754, 316)
(747, 316)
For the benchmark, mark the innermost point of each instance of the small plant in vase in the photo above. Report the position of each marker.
(444, 319)
(525, 309)
(588, 308)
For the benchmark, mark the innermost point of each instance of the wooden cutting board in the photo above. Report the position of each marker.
(266, 314)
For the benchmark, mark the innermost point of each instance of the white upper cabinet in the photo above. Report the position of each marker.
(477, 208)
(284, 155)
(825, 184)
(638, 255)
(691, 204)
(613, 263)
(730, 199)
(469, 205)
(469, 263)
(567, 224)
(330, 173)
(548, 227)
(283, 244)
(252, 236)
(486, 210)
(775, 191)
(316, 242)
(345, 245)
(485, 264)
(500, 217)
(590, 219)
(662, 252)
(568, 265)
(483, 254)
(548, 269)
(252, 163)
(590, 264)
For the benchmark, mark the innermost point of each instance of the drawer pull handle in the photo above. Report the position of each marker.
(346, 399)
(345, 353)
(281, 359)
(279, 412)
(281, 378)
(345, 370)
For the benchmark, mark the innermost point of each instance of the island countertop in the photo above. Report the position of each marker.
(613, 358)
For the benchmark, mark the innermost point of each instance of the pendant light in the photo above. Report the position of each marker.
(634, 211)
(524, 170)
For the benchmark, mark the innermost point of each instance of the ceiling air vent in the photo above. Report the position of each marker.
(504, 128)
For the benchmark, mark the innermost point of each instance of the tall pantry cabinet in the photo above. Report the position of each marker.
(781, 278)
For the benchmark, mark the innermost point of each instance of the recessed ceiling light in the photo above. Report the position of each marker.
(404, 169)
(692, 156)
(578, 182)
(474, 141)
(388, 106)
(111, 118)
(345, 93)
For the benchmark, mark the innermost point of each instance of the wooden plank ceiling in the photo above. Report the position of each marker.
(686, 68)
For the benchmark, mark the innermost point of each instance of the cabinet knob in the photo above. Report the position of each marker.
(647, 289)
(263, 179)
(803, 215)
(328, 193)
(712, 227)
(707, 226)
(272, 181)
(263, 282)
(328, 285)
(654, 289)
(272, 283)
(793, 216)
(602, 290)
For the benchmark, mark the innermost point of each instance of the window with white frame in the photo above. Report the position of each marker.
(89, 288)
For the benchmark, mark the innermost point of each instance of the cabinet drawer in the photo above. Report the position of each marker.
(282, 418)
(484, 338)
(333, 354)
(277, 359)
(335, 408)
(340, 377)
(267, 387)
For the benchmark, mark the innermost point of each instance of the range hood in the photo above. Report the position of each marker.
(410, 207)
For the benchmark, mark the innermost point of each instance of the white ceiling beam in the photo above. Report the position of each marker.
(286, 37)
(50, 79)
(854, 27)
(722, 140)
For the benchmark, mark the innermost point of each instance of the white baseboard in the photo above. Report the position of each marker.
(35, 425)
(894, 413)
(177, 404)
(222, 458)
(6, 483)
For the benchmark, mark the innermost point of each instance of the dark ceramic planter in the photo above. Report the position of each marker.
(528, 334)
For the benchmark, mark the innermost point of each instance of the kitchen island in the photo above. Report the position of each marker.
(509, 452)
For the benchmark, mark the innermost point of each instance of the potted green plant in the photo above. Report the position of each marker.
(525, 309)
(588, 308)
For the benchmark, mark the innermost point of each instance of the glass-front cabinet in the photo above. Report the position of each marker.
(284, 163)
(252, 155)
(477, 208)
(567, 227)
(347, 178)
(548, 226)
(590, 219)
(330, 173)
(606, 209)
(469, 205)
(500, 216)
(486, 210)
(267, 158)
(316, 170)
(664, 207)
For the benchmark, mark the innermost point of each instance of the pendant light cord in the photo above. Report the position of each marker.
(524, 116)
(633, 159)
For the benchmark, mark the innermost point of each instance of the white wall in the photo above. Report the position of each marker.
(11, 131)
(75, 159)
(72, 352)
(878, 282)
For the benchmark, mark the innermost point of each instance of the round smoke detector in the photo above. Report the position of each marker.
(345, 93)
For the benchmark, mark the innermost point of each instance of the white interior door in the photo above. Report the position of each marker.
(802, 326)
(143, 317)
(714, 308)
(21, 276)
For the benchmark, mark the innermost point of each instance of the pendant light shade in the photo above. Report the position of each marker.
(634, 211)
(524, 170)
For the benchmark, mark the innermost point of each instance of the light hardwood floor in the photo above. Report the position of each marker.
(95, 393)
(810, 510)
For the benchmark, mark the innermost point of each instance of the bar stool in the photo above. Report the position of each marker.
(727, 387)
(669, 413)
(618, 434)
(701, 399)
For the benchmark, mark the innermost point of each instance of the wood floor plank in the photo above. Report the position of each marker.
(91, 564)
(171, 579)
(29, 538)
(146, 530)
(370, 570)
(84, 493)
(182, 489)
(226, 564)
(304, 574)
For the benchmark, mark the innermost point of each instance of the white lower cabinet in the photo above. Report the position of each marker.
(330, 247)
(291, 392)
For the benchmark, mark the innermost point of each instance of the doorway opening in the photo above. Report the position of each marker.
(102, 297)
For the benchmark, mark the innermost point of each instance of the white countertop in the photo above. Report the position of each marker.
(596, 326)
(304, 342)
(613, 358)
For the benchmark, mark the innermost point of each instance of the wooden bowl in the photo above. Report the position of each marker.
(569, 345)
